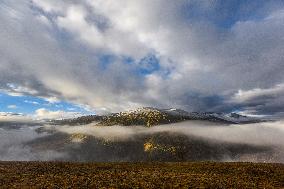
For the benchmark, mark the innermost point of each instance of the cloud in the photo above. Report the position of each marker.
(247, 96)
(39, 114)
(52, 100)
(12, 106)
(31, 102)
(266, 101)
(9, 116)
(43, 113)
(13, 146)
(205, 54)
(16, 90)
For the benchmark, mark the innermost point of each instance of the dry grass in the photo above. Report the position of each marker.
(140, 175)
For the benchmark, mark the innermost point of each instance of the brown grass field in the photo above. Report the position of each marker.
(140, 175)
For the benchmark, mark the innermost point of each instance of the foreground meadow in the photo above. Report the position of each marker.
(140, 175)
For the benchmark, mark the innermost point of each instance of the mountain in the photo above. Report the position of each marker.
(94, 143)
(149, 116)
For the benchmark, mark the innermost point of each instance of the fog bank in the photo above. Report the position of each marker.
(184, 141)
(266, 133)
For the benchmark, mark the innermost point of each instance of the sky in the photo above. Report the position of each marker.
(64, 58)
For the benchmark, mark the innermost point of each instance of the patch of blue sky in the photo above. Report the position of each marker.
(224, 14)
(144, 66)
(29, 104)
(67, 107)
(128, 60)
(105, 61)
(148, 65)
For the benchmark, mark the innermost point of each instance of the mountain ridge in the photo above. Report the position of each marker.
(149, 116)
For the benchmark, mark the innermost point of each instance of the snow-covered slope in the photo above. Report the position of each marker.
(212, 116)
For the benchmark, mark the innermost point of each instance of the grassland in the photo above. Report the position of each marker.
(140, 175)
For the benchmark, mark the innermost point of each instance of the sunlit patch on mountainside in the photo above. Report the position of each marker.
(78, 137)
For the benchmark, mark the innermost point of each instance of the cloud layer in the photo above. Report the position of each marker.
(113, 55)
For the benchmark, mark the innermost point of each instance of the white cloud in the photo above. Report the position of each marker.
(31, 102)
(74, 21)
(9, 116)
(246, 96)
(49, 6)
(43, 113)
(12, 106)
(39, 114)
(52, 100)
(17, 90)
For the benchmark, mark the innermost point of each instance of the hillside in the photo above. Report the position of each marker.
(140, 175)
(147, 147)
(79, 120)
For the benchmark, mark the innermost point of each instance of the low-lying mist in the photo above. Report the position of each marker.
(13, 144)
(184, 141)
(266, 133)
